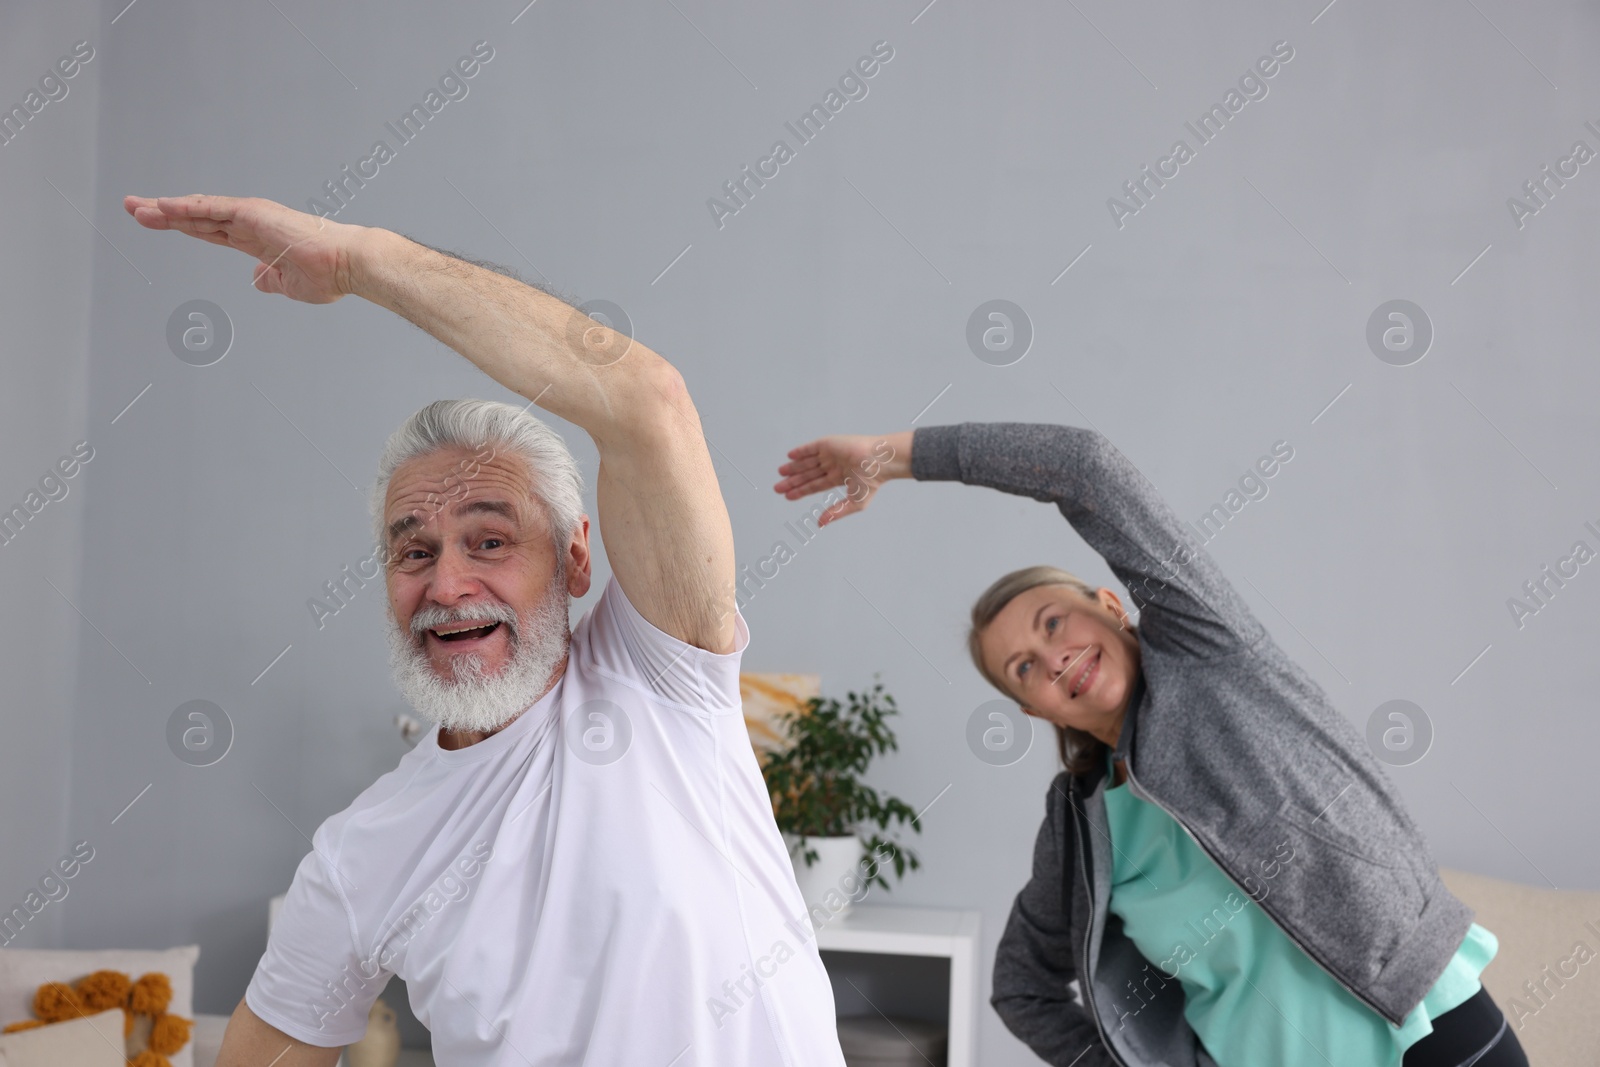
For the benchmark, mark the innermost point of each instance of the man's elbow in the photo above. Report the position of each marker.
(657, 411)
(670, 385)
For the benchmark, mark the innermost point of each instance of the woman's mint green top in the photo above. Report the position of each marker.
(1184, 914)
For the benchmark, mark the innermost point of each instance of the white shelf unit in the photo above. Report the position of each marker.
(892, 930)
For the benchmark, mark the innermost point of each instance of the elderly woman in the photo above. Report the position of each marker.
(1224, 868)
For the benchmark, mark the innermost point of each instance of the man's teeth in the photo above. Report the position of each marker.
(463, 629)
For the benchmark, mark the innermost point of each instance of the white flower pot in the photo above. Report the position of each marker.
(835, 879)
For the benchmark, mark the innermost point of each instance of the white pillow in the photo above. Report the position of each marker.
(93, 1041)
(24, 970)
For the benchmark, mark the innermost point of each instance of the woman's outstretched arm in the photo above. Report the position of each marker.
(1186, 604)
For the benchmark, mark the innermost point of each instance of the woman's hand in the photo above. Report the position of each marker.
(858, 462)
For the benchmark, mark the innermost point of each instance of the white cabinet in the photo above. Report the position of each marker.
(939, 933)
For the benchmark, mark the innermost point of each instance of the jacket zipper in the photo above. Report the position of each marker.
(1141, 792)
(1086, 978)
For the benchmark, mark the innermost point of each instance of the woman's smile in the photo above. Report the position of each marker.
(1085, 675)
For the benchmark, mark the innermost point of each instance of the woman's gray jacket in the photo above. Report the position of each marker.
(1237, 743)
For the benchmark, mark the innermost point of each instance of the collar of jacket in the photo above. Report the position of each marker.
(1124, 747)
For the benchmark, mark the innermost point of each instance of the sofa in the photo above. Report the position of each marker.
(1546, 976)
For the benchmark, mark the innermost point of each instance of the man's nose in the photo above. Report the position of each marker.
(453, 576)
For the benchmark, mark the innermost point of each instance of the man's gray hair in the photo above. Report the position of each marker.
(487, 428)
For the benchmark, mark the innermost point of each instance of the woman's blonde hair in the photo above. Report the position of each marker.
(1079, 750)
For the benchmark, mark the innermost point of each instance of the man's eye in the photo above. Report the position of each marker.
(1050, 623)
(408, 553)
(1022, 669)
(494, 540)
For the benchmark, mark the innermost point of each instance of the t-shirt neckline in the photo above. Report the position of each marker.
(532, 716)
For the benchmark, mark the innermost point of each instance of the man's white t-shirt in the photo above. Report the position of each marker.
(600, 882)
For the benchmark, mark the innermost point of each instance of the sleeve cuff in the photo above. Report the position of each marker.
(936, 454)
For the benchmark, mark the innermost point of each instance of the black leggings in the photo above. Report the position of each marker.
(1473, 1032)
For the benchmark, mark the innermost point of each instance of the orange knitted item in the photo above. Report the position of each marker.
(56, 1002)
(150, 996)
(102, 990)
(26, 1024)
(169, 1034)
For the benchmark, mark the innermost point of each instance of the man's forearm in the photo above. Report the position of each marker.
(527, 340)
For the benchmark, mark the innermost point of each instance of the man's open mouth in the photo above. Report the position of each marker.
(464, 631)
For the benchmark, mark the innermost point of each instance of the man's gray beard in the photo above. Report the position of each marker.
(475, 701)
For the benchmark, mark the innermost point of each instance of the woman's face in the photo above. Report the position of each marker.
(1067, 658)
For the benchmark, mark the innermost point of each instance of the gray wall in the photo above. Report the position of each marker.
(1229, 313)
(47, 171)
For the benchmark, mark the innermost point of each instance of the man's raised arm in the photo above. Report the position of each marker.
(662, 516)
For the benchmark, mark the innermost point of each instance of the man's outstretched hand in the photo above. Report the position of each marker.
(301, 256)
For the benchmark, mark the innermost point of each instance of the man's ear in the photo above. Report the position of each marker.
(579, 559)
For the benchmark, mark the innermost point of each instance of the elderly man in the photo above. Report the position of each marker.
(580, 864)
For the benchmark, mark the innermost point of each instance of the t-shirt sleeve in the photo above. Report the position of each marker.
(311, 983)
(627, 646)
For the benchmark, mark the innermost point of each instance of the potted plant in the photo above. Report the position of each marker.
(820, 803)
